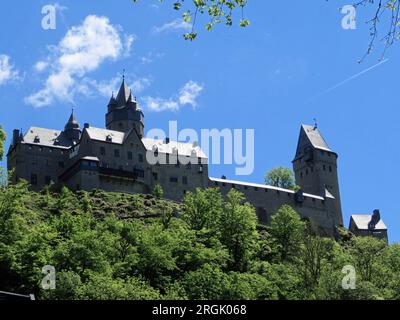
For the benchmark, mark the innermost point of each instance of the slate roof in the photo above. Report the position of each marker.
(315, 137)
(361, 221)
(47, 138)
(262, 186)
(102, 134)
(123, 94)
(184, 149)
(72, 122)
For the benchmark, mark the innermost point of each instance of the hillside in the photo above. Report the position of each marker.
(118, 246)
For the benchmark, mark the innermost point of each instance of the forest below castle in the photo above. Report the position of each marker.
(119, 246)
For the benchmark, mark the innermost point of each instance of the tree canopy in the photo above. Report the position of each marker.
(118, 246)
(223, 12)
(2, 140)
(281, 177)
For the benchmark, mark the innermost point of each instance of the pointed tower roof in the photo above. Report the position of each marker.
(310, 136)
(112, 100)
(123, 93)
(315, 137)
(72, 122)
(130, 98)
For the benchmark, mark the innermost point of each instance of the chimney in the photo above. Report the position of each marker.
(376, 217)
(16, 135)
(86, 125)
(167, 140)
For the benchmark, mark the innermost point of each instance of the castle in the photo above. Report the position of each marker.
(114, 159)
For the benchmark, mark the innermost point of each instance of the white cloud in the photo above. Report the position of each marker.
(175, 25)
(41, 66)
(187, 95)
(90, 87)
(7, 70)
(82, 50)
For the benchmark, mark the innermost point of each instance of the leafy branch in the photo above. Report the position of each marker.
(218, 12)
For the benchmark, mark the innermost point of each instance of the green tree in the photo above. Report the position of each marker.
(281, 177)
(202, 209)
(2, 140)
(367, 252)
(219, 12)
(158, 191)
(238, 228)
(287, 232)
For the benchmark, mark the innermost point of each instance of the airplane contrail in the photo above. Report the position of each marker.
(349, 79)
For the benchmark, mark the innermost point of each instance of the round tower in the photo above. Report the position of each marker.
(315, 168)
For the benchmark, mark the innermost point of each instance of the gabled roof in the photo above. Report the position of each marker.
(47, 137)
(362, 220)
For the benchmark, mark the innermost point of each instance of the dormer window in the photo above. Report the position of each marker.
(37, 139)
(109, 138)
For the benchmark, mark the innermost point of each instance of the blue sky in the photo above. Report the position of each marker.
(272, 77)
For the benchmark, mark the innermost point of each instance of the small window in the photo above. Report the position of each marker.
(173, 179)
(306, 172)
(61, 164)
(102, 151)
(184, 180)
(116, 153)
(33, 179)
(301, 174)
(330, 168)
(155, 176)
(141, 159)
(324, 167)
(130, 155)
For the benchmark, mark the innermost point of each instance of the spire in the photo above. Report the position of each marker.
(123, 93)
(112, 100)
(72, 122)
(131, 99)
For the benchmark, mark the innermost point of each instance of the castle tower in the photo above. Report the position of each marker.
(315, 168)
(72, 129)
(123, 112)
